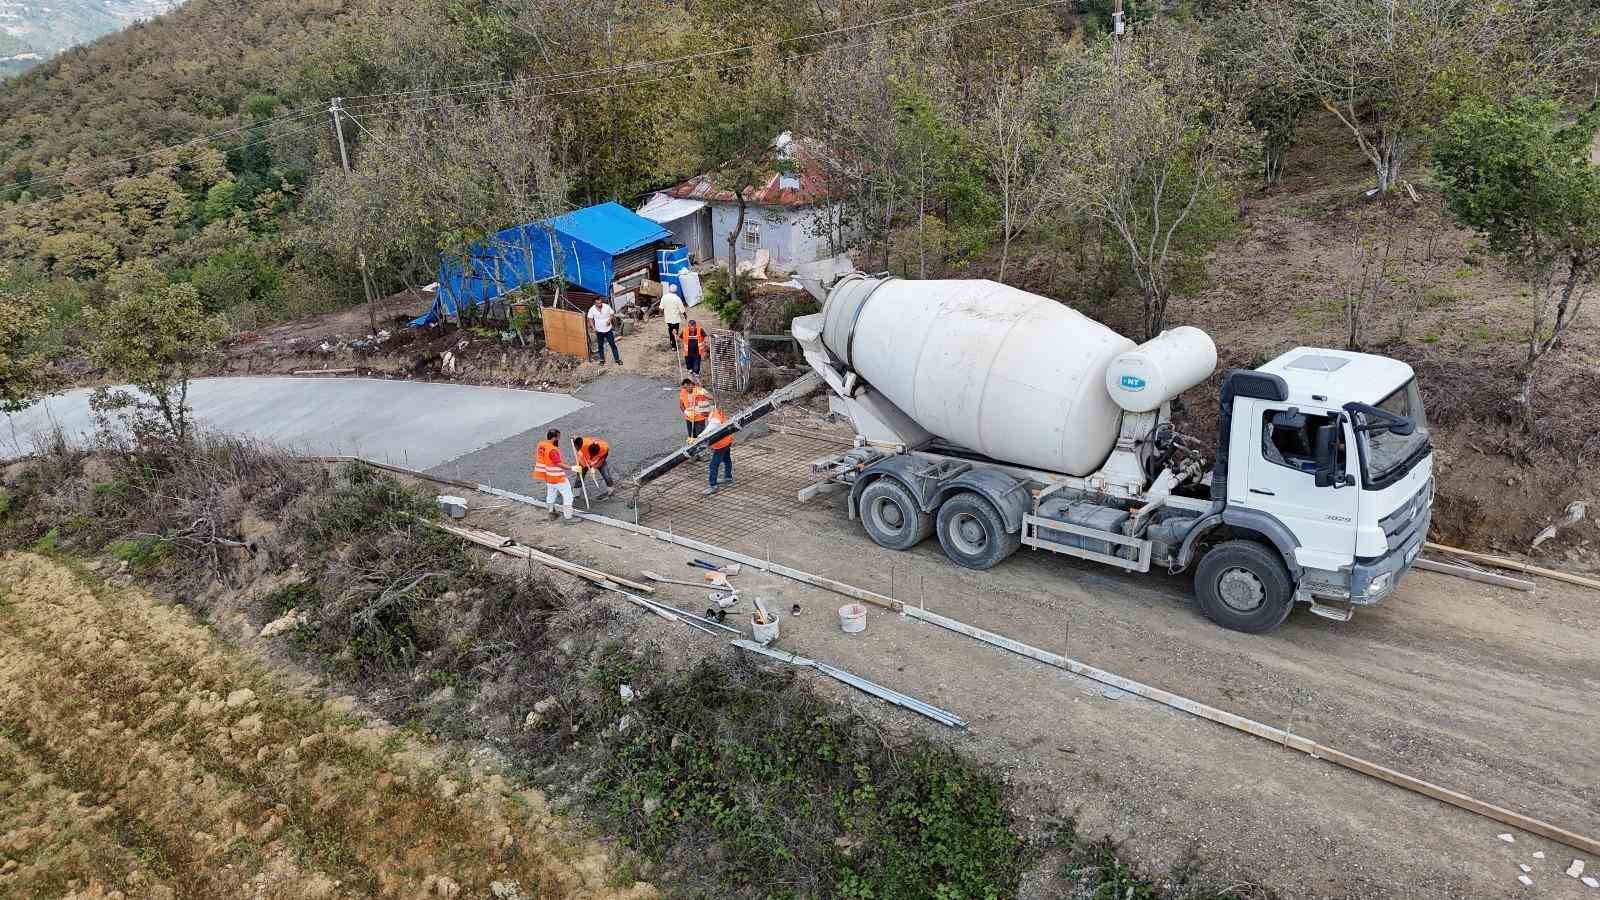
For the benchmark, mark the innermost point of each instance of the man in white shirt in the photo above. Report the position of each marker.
(603, 317)
(672, 310)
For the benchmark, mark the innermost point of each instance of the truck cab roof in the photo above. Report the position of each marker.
(1336, 377)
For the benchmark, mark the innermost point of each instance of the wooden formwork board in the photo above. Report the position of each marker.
(565, 331)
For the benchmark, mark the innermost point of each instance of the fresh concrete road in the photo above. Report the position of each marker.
(410, 423)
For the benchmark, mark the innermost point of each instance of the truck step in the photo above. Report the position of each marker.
(1336, 613)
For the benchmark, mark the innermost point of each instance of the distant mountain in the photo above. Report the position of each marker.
(32, 31)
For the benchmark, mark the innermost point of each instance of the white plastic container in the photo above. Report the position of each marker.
(764, 634)
(1013, 375)
(852, 618)
(1142, 379)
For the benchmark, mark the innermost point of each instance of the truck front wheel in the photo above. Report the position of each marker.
(892, 517)
(972, 532)
(1244, 586)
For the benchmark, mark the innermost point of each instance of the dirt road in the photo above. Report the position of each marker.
(1485, 690)
(139, 758)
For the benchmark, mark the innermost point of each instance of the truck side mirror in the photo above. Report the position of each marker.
(1326, 440)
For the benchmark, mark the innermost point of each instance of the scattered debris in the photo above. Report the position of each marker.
(730, 569)
(289, 621)
(510, 547)
(1525, 867)
(1573, 871)
(1574, 514)
(1526, 881)
(1591, 881)
(625, 692)
(794, 610)
(1473, 573)
(1513, 565)
(1539, 855)
(852, 618)
(942, 716)
(452, 506)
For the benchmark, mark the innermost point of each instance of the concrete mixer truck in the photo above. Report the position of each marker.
(995, 419)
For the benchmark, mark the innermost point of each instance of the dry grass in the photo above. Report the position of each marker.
(140, 758)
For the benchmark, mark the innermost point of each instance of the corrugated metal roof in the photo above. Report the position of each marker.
(802, 185)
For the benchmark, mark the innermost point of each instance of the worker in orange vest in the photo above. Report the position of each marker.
(592, 454)
(548, 468)
(692, 345)
(721, 451)
(696, 403)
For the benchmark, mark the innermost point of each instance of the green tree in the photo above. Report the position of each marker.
(1153, 147)
(156, 336)
(239, 277)
(22, 318)
(1522, 174)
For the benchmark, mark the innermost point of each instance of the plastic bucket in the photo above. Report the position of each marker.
(853, 618)
(764, 634)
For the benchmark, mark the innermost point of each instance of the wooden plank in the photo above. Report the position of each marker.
(1515, 566)
(565, 331)
(1428, 565)
(1275, 735)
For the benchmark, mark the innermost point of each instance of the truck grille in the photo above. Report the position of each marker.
(1397, 526)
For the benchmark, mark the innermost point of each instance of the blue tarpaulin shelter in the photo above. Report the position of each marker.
(579, 247)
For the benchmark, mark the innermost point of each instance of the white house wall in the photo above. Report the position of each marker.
(786, 233)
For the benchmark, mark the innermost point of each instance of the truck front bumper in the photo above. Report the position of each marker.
(1375, 578)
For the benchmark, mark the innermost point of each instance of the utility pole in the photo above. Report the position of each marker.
(344, 158)
(1116, 22)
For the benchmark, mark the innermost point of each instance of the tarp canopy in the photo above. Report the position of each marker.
(578, 247)
(666, 208)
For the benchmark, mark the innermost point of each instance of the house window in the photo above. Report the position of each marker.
(751, 235)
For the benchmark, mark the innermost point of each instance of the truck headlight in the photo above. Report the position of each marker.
(1381, 583)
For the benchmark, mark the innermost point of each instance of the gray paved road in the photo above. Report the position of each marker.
(411, 423)
(637, 416)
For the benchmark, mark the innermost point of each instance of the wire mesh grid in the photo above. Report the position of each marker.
(769, 471)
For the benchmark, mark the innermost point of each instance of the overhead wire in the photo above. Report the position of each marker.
(411, 105)
(449, 90)
(107, 185)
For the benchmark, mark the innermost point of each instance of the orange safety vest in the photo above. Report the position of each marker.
(697, 405)
(547, 465)
(593, 452)
(692, 332)
(717, 420)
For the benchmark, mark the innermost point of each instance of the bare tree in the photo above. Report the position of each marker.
(1019, 156)
(1151, 145)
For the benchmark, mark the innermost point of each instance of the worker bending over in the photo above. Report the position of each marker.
(593, 454)
(692, 344)
(721, 451)
(696, 403)
(548, 468)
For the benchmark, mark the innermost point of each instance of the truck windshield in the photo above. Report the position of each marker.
(1385, 456)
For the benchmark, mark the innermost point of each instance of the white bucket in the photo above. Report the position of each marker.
(853, 618)
(764, 634)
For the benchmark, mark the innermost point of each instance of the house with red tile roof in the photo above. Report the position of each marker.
(791, 213)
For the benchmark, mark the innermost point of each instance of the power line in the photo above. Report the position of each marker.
(108, 185)
(57, 176)
(471, 87)
(404, 107)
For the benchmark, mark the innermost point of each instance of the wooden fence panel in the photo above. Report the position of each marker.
(564, 332)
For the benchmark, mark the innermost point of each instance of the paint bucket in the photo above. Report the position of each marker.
(764, 634)
(853, 618)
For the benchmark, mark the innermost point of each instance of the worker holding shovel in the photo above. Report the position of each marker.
(548, 468)
(721, 451)
(593, 455)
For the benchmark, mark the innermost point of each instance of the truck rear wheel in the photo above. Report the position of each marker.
(973, 534)
(892, 517)
(1243, 585)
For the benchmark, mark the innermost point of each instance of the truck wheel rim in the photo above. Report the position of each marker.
(968, 534)
(888, 514)
(1240, 590)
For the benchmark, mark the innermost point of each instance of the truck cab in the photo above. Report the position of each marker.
(1325, 456)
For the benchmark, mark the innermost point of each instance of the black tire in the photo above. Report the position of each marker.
(1243, 586)
(892, 517)
(972, 533)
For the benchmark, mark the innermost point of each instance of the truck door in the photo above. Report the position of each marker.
(1283, 483)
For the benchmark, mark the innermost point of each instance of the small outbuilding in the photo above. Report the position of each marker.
(602, 250)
